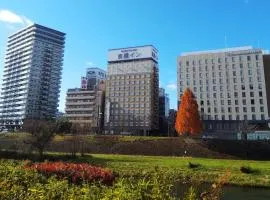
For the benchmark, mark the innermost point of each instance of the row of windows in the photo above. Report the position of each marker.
(241, 66)
(229, 109)
(230, 117)
(220, 74)
(229, 102)
(131, 111)
(129, 124)
(136, 99)
(127, 93)
(143, 87)
(222, 81)
(220, 60)
(137, 76)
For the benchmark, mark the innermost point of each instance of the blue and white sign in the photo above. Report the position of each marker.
(132, 53)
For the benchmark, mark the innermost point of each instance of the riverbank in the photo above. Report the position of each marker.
(245, 173)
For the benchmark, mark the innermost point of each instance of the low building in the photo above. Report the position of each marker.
(86, 107)
(259, 135)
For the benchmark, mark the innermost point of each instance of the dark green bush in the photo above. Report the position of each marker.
(193, 165)
(248, 170)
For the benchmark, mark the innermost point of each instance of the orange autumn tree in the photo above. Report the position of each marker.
(188, 119)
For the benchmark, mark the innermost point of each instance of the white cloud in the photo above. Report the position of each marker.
(89, 63)
(9, 17)
(171, 86)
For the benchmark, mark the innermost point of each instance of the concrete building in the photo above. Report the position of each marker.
(229, 85)
(164, 103)
(93, 77)
(163, 111)
(32, 75)
(132, 90)
(86, 107)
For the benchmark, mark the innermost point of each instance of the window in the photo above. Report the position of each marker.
(229, 102)
(248, 58)
(260, 94)
(187, 63)
(243, 94)
(262, 117)
(251, 87)
(253, 117)
(237, 109)
(252, 109)
(243, 87)
(235, 94)
(241, 66)
(252, 101)
(244, 102)
(261, 101)
(262, 109)
(236, 102)
(257, 57)
(234, 73)
(251, 94)
(244, 109)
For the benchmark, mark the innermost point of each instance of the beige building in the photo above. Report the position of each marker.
(85, 107)
(229, 85)
(132, 91)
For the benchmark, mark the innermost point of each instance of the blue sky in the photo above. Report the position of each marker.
(93, 27)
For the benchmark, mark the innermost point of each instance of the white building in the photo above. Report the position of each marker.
(229, 84)
(132, 90)
(32, 75)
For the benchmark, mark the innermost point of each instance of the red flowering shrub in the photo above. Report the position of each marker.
(75, 173)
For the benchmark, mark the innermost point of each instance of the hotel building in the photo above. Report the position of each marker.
(230, 85)
(132, 91)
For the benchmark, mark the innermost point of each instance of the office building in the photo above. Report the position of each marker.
(32, 75)
(132, 91)
(86, 107)
(229, 85)
(93, 77)
(164, 103)
(163, 111)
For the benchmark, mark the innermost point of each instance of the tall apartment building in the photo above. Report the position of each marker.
(229, 85)
(132, 90)
(32, 75)
(93, 78)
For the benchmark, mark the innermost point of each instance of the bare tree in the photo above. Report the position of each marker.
(42, 132)
(78, 140)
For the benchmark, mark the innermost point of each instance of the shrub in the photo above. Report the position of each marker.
(74, 172)
(247, 170)
(193, 165)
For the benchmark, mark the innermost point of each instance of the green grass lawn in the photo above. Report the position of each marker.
(209, 169)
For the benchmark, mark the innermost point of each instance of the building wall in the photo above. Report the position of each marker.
(85, 107)
(266, 61)
(32, 75)
(228, 84)
(132, 96)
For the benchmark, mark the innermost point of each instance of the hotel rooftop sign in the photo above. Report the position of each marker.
(132, 53)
